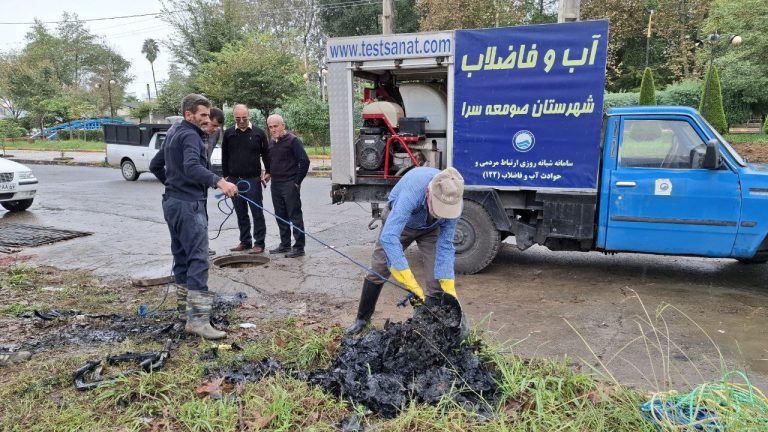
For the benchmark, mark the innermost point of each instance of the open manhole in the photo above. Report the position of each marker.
(240, 261)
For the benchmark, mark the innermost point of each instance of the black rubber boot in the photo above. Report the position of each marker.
(368, 298)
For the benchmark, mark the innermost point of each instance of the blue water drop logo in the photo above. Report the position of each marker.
(523, 141)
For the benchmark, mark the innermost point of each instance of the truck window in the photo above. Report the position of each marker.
(159, 141)
(669, 144)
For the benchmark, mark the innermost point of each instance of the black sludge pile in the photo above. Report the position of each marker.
(421, 359)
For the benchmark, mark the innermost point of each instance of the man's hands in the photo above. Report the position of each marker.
(449, 287)
(405, 277)
(265, 178)
(229, 189)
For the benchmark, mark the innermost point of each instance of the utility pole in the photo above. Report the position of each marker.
(387, 16)
(648, 37)
(569, 10)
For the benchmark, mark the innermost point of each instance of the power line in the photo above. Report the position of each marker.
(83, 20)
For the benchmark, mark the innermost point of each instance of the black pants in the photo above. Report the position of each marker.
(241, 209)
(188, 225)
(286, 199)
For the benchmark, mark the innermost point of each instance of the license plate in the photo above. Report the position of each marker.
(7, 187)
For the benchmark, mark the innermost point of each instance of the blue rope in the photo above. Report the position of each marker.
(221, 197)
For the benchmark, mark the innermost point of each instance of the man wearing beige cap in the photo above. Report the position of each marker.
(424, 206)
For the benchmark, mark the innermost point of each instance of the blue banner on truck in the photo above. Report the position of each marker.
(528, 105)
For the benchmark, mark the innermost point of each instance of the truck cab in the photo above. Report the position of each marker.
(132, 147)
(670, 184)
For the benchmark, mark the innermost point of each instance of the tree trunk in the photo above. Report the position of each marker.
(152, 65)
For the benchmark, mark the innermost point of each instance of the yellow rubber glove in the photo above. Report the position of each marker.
(449, 287)
(406, 279)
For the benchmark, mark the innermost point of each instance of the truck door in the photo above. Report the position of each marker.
(661, 199)
(147, 153)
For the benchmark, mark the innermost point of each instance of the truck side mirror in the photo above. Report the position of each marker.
(712, 155)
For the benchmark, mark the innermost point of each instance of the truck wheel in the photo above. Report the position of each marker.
(129, 170)
(754, 260)
(476, 240)
(18, 205)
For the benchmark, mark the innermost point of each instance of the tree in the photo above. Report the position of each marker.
(466, 14)
(254, 72)
(765, 126)
(205, 27)
(142, 110)
(308, 115)
(150, 51)
(363, 18)
(647, 89)
(712, 107)
(172, 91)
(744, 68)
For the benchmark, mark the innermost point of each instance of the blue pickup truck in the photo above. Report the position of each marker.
(519, 112)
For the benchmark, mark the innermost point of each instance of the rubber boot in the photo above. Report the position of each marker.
(181, 301)
(368, 298)
(8, 358)
(199, 315)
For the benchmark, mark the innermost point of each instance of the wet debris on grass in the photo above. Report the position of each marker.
(58, 328)
(89, 376)
(420, 360)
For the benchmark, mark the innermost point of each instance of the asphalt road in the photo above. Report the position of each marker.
(590, 309)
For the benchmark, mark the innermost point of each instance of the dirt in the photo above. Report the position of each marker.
(753, 152)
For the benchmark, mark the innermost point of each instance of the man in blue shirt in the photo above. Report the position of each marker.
(187, 180)
(423, 207)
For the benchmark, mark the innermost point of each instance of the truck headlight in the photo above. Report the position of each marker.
(26, 175)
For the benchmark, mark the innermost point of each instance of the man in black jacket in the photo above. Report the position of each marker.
(289, 163)
(243, 149)
(187, 180)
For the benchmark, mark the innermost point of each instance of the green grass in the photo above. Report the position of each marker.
(746, 138)
(536, 395)
(56, 145)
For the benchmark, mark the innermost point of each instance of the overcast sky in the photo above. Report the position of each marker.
(124, 35)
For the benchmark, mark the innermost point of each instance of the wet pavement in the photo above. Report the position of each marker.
(586, 306)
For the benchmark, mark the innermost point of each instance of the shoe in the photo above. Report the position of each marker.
(240, 247)
(368, 298)
(9, 358)
(295, 253)
(199, 316)
(280, 249)
(256, 250)
(181, 301)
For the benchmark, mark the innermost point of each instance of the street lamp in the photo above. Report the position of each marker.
(648, 37)
(714, 40)
(109, 93)
(321, 77)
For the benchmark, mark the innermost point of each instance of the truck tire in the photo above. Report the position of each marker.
(477, 240)
(18, 205)
(129, 170)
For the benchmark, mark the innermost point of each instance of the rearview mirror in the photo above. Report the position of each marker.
(712, 155)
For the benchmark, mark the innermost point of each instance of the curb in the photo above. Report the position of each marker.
(53, 162)
(57, 150)
(311, 173)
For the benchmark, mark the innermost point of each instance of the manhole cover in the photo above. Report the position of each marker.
(13, 237)
(240, 261)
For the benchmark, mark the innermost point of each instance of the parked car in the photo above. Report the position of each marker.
(17, 186)
(216, 160)
(132, 147)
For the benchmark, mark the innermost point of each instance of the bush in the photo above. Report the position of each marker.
(308, 116)
(765, 126)
(80, 134)
(613, 100)
(647, 89)
(11, 128)
(714, 113)
(684, 93)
